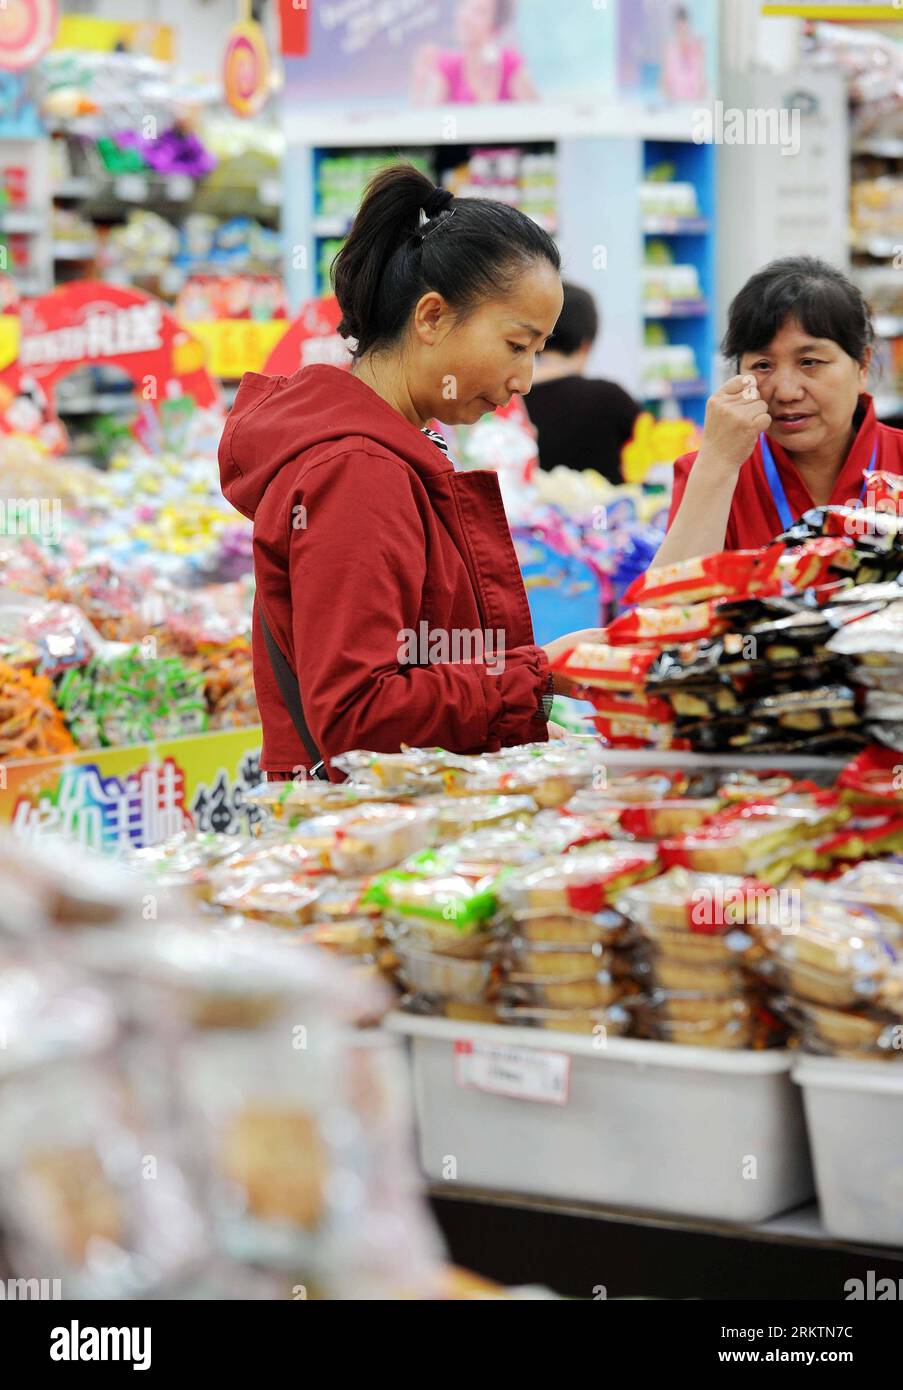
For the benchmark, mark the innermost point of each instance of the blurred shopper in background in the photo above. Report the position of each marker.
(581, 422)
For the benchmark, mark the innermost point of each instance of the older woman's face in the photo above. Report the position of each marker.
(810, 386)
(475, 21)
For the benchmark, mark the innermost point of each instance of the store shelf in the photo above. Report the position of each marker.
(488, 124)
(674, 390)
(675, 309)
(76, 187)
(881, 149)
(74, 251)
(881, 247)
(676, 226)
(558, 1244)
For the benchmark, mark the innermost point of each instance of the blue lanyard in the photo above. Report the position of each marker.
(777, 487)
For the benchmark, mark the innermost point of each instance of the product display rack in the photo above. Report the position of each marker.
(600, 164)
(876, 260)
(691, 241)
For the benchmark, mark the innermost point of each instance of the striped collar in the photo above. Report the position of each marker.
(440, 442)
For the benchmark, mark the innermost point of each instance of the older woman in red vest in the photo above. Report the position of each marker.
(795, 428)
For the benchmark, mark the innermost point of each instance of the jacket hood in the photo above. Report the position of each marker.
(276, 419)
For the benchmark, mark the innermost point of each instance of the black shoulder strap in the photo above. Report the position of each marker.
(291, 695)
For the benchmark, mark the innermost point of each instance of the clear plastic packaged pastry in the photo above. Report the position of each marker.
(760, 838)
(586, 879)
(431, 769)
(438, 1007)
(287, 902)
(186, 860)
(842, 1032)
(547, 958)
(448, 904)
(423, 971)
(549, 772)
(585, 991)
(601, 1023)
(657, 820)
(606, 927)
(179, 977)
(457, 815)
(289, 802)
(659, 969)
(42, 893)
(74, 1192)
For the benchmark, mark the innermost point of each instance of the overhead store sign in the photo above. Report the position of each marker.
(91, 324)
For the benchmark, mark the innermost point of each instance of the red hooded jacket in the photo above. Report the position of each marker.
(363, 531)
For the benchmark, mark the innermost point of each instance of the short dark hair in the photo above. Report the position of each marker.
(818, 295)
(473, 250)
(578, 322)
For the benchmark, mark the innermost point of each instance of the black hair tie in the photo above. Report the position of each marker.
(437, 202)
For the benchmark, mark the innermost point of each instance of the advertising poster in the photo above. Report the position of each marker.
(453, 52)
(666, 50)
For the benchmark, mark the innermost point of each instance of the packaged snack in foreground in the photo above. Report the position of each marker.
(598, 666)
(585, 879)
(732, 572)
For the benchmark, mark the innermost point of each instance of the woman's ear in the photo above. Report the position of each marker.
(864, 368)
(431, 318)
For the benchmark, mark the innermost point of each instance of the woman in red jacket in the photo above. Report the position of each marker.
(795, 429)
(387, 582)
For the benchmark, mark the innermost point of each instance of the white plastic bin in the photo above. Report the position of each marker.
(854, 1112)
(689, 1131)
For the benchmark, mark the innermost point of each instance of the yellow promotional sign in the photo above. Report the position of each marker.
(236, 346)
(93, 35)
(9, 339)
(117, 798)
(866, 12)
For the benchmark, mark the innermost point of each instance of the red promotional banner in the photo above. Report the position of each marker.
(312, 337)
(91, 324)
(294, 27)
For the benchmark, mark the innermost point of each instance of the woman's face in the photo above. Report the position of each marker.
(464, 368)
(810, 386)
(475, 21)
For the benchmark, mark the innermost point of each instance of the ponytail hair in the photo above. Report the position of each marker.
(468, 250)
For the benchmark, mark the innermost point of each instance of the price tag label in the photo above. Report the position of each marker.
(519, 1072)
(131, 188)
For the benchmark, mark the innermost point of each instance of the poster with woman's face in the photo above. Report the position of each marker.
(453, 52)
(666, 50)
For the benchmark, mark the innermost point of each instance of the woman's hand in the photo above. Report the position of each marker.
(556, 731)
(556, 649)
(735, 416)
